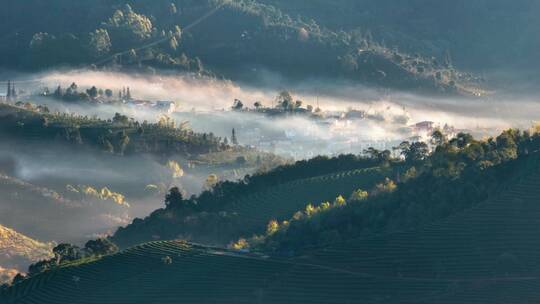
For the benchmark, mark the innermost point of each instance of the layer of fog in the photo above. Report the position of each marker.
(494, 111)
(486, 115)
(47, 169)
(205, 104)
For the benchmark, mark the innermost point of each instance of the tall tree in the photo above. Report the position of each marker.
(174, 198)
(92, 92)
(234, 140)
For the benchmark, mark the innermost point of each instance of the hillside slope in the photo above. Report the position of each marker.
(238, 39)
(249, 213)
(494, 238)
(488, 254)
(14, 245)
(478, 34)
(18, 251)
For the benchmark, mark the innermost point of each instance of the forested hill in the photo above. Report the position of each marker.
(478, 34)
(485, 254)
(233, 38)
(326, 200)
(119, 135)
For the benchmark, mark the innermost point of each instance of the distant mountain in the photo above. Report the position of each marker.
(477, 34)
(238, 39)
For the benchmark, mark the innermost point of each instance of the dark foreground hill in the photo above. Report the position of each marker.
(487, 254)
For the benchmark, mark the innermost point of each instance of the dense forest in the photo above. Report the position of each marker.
(471, 32)
(235, 39)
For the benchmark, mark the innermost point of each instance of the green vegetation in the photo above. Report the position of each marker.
(473, 256)
(473, 34)
(285, 105)
(201, 219)
(119, 135)
(231, 38)
(451, 220)
(109, 33)
(72, 94)
(68, 254)
(401, 194)
(458, 175)
(494, 238)
(457, 225)
(278, 41)
(230, 210)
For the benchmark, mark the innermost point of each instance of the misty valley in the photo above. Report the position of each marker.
(269, 151)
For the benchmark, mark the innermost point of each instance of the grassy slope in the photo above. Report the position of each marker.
(488, 254)
(19, 251)
(13, 244)
(280, 202)
(251, 213)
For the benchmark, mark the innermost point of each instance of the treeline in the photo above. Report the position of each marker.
(457, 175)
(119, 135)
(72, 94)
(64, 254)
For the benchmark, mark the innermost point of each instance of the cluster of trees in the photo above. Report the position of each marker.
(458, 174)
(285, 104)
(119, 135)
(65, 253)
(88, 193)
(73, 94)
